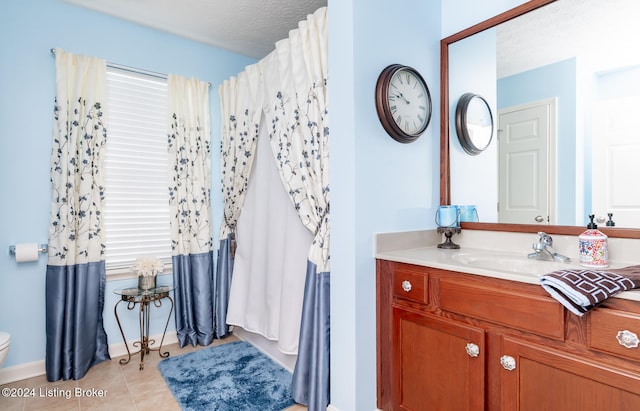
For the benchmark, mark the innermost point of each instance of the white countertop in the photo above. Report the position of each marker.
(507, 265)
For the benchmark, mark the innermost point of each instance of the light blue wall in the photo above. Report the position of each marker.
(344, 307)
(28, 30)
(474, 179)
(378, 185)
(553, 80)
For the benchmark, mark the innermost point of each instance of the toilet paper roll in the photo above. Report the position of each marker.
(26, 252)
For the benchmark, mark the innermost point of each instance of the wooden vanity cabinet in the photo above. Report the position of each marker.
(440, 365)
(454, 341)
(545, 378)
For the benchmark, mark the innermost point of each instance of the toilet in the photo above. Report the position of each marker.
(5, 340)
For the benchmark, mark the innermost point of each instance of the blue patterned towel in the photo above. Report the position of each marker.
(580, 290)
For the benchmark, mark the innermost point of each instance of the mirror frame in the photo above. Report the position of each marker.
(445, 176)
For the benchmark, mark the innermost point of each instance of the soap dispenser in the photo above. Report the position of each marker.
(610, 222)
(593, 248)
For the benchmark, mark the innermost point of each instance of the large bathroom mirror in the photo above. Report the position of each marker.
(562, 79)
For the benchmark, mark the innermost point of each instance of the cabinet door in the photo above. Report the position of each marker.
(550, 379)
(438, 364)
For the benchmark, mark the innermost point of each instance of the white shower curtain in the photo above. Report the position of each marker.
(268, 276)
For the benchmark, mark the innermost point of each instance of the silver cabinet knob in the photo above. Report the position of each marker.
(539, 218)
(627, 339)
(406, 285)
(508, 362)
(601, 219)
(472, 349)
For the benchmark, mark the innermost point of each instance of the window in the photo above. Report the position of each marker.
(136, 208)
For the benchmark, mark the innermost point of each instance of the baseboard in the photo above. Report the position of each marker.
(36, 368)
(21, 372)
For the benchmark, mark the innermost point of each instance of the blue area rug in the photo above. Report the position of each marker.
(233, 376)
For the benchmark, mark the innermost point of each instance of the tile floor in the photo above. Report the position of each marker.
(125, 387)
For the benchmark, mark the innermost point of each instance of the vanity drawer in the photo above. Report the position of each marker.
(410, 285)
(538, 314)
(604, 327)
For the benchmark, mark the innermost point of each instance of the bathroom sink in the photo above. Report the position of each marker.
(509, 263)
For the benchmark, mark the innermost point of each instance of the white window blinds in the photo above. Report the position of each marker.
(136, 209)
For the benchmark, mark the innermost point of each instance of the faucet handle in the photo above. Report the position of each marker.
(545, 238)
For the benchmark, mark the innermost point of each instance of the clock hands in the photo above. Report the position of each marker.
(401, 96)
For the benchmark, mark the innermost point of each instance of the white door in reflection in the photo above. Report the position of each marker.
(526, 157)
(616, 153)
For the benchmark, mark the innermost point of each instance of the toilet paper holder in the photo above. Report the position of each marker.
(42, 248)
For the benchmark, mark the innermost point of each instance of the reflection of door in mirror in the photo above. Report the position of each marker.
(558, 82)
(616, 152)
(526, 159)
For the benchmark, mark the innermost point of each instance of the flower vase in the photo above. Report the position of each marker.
(146, 282)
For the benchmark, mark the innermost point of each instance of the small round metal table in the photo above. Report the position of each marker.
(136, 297)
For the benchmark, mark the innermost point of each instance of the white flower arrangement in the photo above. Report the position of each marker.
(147, 266)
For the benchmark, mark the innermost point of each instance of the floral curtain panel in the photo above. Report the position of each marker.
(288, 87)
(75, 278)
(241, 112)
(295, 105)
(190, 209)
(295, 77)
(240, 128)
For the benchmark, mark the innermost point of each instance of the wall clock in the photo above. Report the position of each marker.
(403, 102)
(474, 123)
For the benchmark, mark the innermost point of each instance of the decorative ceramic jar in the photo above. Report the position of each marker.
(592, 247)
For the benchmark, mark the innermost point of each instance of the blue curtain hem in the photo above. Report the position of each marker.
(192, 278)
(310, 383)
(76, 339)
(222, 287)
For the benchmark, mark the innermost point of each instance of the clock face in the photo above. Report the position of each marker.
(409, 102)
(403, 103)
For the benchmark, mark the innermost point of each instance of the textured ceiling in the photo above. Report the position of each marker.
(248, 27)
(604, 34)
(597, 30)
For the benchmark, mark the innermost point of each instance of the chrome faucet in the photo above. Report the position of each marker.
(543, 250)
